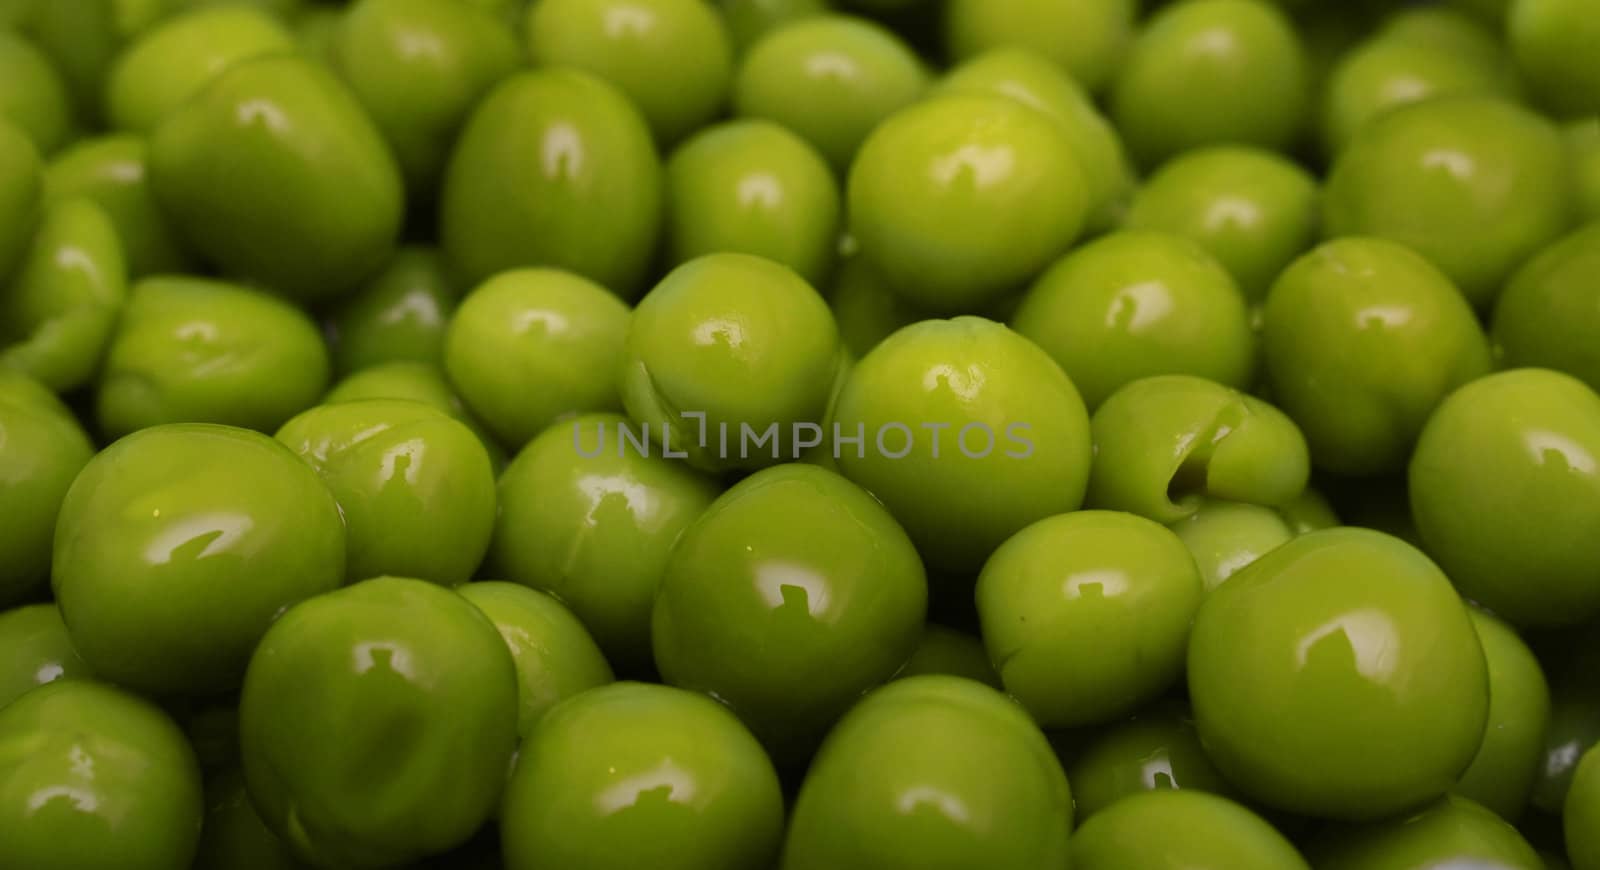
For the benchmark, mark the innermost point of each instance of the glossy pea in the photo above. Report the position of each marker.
(33, 96)
(1552, 42)
(21, 189)
(1387, 72)
(1310, 512)
(42, 448)
(36, 651)
(1547, 311)
(1181, 830)
(400, 315)
(1502, 775)
(865, 308)
(1450, 831)
(1155, 750)
(1581, 817)
(1087, 39)
(419, 382)
(1225, 536)
(1162, 443)
(1455, 30)
(84, 38)
(952, 653)
(113, 173)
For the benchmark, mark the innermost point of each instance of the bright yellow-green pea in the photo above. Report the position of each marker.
(831, 79)
(1164, 443)
(398, 316)
(1452, 30)
(94, 778)
(1553, 42)
(233, 836)
(866, 310)
(1547, 316)
(590, 202)
(749, 20)
(952, 653)
(1225, 536)
(1086, 615)
(42, 448)
(32, 94)
(1582, 815)
(1033, 80)
(556, 658)
(1584, 139)
(1136, 304)
(420, 99)
(111, 171)
(1212, 72)
(531, 346)
(35, 650)
(959, 199)
(58, 314)
(927, 772)
(1475, 184)
(1503, 484)
(1085, 38)
(1501, 776)
(1386, 73)
(176, 60)
(1308, 513)
(1363, 339)
(419, 382)
(195, 350)
(753, 187)
(21, 186)
(1156, 750)
(1339, 676)
(590, 520)
(1252, 210)
(1180, 830)
(1450, 832)
(967, 431)
(672, 58)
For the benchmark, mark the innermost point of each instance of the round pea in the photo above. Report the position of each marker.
(419, 382)
(1547, 314)
(1310, 512)
(1086, 615)
(1088, 39)
(1339, 676)
(33, 95)
(1363, 338)
(233, 836)
(1454, 30)
(590, 520)
(749, 20)
(386, 659)
(829, 78)
(1181, 830)
(400, 315)
(530, 346)
(1134, 304)
(227, 523)
(35, 650)
(1582, 814)
(556, 658)
(195, 350)
(111, 171)
(1501, 776)
(864, 307)
(1252, 210)
(1504, 483)
(1475, 184)
(42, 448)
(1225, 536)
(1388, 72)
(786, 633)
(952, 653)
(753, 187)
(589, 201)
(1453, 831)
(672, 58)
(1553, 44)
(967, 431)
(958, 199)
(93, 778)
(1212, 72)
(978, 786)
(84, 38)
(1156, 750)
(21, 190)
(415, 486)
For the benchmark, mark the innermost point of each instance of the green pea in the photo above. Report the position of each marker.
(635, 774)
(1163, 443)
(967, 431)
(1252, 210)
(321, 184)
(84, 38)
(1553, 43)
(1501, 776)
(977, 785)
(749, 20)
(32, 95)
(400, 315)
(1584, 139)
(556, 658)
(418, 382)
(1490, 12)
(61, 308)
(951, 653)
(175, 60)
(1503, 481)
(1453, 829)
(386, 659)
(42, 448)
(1212, 72)
(727, 359)
(1475, 184)
(1310, 512)
(415, 486)
(753, 187)
(228, 523)
(1363, 339)
(316, 30)
(829, 78)
(1582, 814)
(194, 350)
(588, 519)
(1456, 31)
(93, 778)
(1136, 304)
(865, 308)
(111, 171)
(1156, 750)
(1387, 72)
(21, 189)
(1339, 676)
(786, 633)
(531, 346)
(233, 836)
(1088, 39)
(281, 9)
(672, 58)
(34, 651)
(590, 202)
(958, 199)
(1181, 830)
(419, 100)
(1574, 729)
(1225, 536)
(1546, 315)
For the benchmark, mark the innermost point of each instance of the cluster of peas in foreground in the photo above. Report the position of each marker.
(800, 434)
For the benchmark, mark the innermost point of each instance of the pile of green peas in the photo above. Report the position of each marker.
(800, 434)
